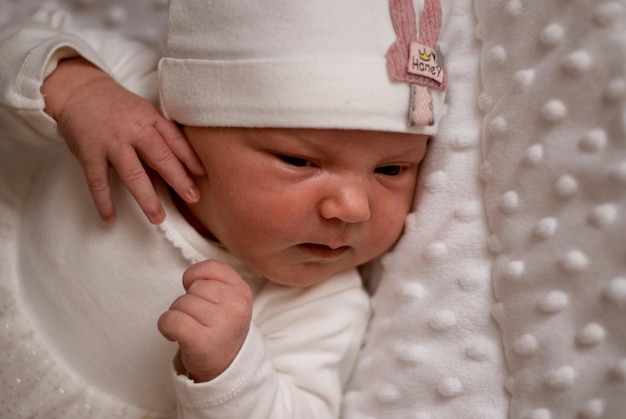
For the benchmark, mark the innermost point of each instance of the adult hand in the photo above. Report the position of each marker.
(106, 125)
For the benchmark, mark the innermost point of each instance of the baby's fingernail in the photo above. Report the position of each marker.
(192, 195)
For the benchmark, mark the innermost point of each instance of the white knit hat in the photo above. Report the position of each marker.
(284, 64)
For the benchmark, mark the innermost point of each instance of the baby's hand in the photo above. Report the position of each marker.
(210, 322)
(106, 125)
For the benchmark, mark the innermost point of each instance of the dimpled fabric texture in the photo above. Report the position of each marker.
(554, 141)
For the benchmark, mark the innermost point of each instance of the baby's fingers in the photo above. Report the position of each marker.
(179, 326)
(204, 353)
(134, 176)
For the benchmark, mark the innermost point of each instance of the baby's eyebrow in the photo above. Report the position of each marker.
(416, 148)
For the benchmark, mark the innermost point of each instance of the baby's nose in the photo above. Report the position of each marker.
(348, 201)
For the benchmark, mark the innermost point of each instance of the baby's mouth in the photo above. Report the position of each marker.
(323, 251)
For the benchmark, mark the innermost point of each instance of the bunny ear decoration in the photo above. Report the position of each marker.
(417, 61)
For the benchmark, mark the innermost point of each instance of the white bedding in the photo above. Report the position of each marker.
(554, 142)
(506, 298)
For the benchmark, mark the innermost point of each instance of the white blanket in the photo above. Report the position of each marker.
(554, 141)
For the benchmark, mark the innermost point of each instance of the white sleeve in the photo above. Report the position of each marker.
(31, 50)
(294, 363)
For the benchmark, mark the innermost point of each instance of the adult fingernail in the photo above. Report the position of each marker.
(192, 195)
(157, 216)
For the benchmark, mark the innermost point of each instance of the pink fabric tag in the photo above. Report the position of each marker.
(417, 62)
(405, 25)
(423, 61)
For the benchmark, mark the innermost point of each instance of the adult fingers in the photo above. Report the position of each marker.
(97, 175)
(157, 154)
(134, 176)
(178, 143)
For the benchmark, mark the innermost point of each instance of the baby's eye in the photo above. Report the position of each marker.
(294, 161)
(389, 170)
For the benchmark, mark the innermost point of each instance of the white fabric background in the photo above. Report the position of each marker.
(144, 20)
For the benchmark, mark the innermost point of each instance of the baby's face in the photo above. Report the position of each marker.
(300, 205)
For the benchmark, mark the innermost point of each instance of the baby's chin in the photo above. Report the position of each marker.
(303, 277)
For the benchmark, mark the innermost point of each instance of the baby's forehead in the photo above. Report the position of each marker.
(355, 143)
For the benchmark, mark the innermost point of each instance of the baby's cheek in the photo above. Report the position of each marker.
(392, 222)
(385, 236)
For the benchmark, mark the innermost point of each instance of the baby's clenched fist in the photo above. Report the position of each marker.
(211, 321)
